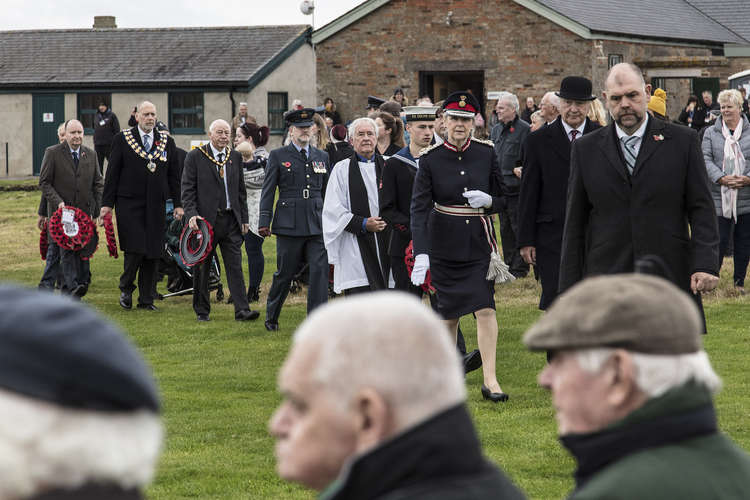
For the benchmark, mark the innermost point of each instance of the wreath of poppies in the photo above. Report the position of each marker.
(43, 241)
(409, 261)
(109, 231)
(196, 245)
(86, 230)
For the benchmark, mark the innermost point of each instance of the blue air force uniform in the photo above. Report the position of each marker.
(301, 175)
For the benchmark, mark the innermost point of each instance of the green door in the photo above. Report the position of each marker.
(48, 112)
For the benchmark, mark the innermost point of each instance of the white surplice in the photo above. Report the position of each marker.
(341, 245)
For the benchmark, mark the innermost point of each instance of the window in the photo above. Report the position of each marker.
(658, 82)
(88, 105)
(186, 113)
(277, 106)
(614, 59)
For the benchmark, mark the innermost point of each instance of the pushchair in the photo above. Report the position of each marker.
(179, 276)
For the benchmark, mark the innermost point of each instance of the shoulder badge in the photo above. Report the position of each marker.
(427, 149)
(484, 141)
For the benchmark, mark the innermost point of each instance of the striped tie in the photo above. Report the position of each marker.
(628, 145)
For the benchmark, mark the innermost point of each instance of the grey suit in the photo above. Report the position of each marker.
(78, 186)
(297, 223)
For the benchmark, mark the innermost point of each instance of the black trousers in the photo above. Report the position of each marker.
(102, 153)
(228, 237)
(508, 230)
(145, 268)
(403, 282)
(290, 252)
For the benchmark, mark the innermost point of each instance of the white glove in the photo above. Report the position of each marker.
(478, 199)
(421, 265)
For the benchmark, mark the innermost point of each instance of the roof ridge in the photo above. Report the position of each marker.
(717, 21)
(167, 28)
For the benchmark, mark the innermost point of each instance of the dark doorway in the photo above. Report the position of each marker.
(48, 111)
(701, 84)
(439, 84)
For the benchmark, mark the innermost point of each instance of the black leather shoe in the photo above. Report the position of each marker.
(203, 317)
(495, 397)
(147, 307)
(80, 291)
(126, 300)
(472, 361)
(246, 315)
(271, 327)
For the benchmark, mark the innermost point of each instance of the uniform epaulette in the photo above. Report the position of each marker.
(428, 149)
(484, 141)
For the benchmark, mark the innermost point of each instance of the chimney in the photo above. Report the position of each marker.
(104, 22)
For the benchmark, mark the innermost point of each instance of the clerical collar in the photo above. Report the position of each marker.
(215, 151)
(365, 160)
(306, 148)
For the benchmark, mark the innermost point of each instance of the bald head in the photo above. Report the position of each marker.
(146, 116)
(219, 133)
(549, 106)
(627, 95)
(619, 72)
(74, 133)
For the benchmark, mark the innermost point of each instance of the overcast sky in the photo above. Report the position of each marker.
(54, 14)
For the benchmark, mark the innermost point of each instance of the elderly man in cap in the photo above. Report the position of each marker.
(369, 416)
(544, 184)
(632, 389)
(300, 173)
(639, 187)
(79, 409)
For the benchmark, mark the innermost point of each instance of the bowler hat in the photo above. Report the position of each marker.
(575, 88)
(637, 312)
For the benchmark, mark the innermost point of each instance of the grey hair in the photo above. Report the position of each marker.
(512, 99)
(242, 104)
(218, 122)
(655, 374)
(552, 98)
(389, 342)
(45, 446)
(359, 121)
(143, 103)
(730, 95)
(536, 115)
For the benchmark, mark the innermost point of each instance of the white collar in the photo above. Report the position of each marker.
(215, 151)
(638, 133)
(74, 150)
(568, 128)
(143, 133)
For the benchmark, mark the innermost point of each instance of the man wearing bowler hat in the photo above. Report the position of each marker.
(639, 187)
(544, 184)
(300, 172)
(632, 389)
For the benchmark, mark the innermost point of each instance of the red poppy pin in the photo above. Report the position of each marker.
(83, 154)
(287, 164)
(156, 143)
(659, 137)
(512, 129)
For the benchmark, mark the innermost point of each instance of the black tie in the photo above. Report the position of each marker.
(221, 157)
(304, 155)
(75, 158)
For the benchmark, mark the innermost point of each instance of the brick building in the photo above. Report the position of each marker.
(432, 47)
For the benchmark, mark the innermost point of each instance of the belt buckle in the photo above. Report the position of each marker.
(305, 193)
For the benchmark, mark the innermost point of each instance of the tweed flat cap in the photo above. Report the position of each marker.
(636, 312)
(60, 351)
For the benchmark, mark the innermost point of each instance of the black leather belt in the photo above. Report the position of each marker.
(295, 195)
(224, 211)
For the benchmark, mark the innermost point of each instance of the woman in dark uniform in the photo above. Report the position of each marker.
(457, 186)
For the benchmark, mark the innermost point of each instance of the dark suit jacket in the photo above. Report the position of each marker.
(395, 202)
(296, 215)
(60, 180)
(202, 188)
(541, 203)
(664, 209)
(138, 194)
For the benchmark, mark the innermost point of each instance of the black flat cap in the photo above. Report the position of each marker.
(60, 351)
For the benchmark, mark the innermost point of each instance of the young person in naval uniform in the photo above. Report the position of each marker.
(457, 185)
(300, 172)
(395, 203)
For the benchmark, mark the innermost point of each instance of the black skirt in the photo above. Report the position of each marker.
(462, 287)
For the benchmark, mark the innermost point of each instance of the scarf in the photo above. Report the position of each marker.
(733, 164)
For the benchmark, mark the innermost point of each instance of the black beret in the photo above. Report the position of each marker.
(60, 351)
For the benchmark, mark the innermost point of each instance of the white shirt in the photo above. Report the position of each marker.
(341, 245)
(216, 157)
(568, 128)
(635, 145)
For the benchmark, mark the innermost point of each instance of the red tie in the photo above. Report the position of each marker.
(573, 135)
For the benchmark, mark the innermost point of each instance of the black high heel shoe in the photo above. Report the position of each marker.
(495, 397)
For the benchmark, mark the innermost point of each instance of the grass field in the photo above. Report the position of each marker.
(218, 380)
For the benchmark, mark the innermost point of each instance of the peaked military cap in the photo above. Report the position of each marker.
(374, 102)
(300, 117)
(462, 104)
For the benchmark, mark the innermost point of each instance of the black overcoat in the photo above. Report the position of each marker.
(541, 203)
(395, 201)
(138, 195)
(664, 209)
